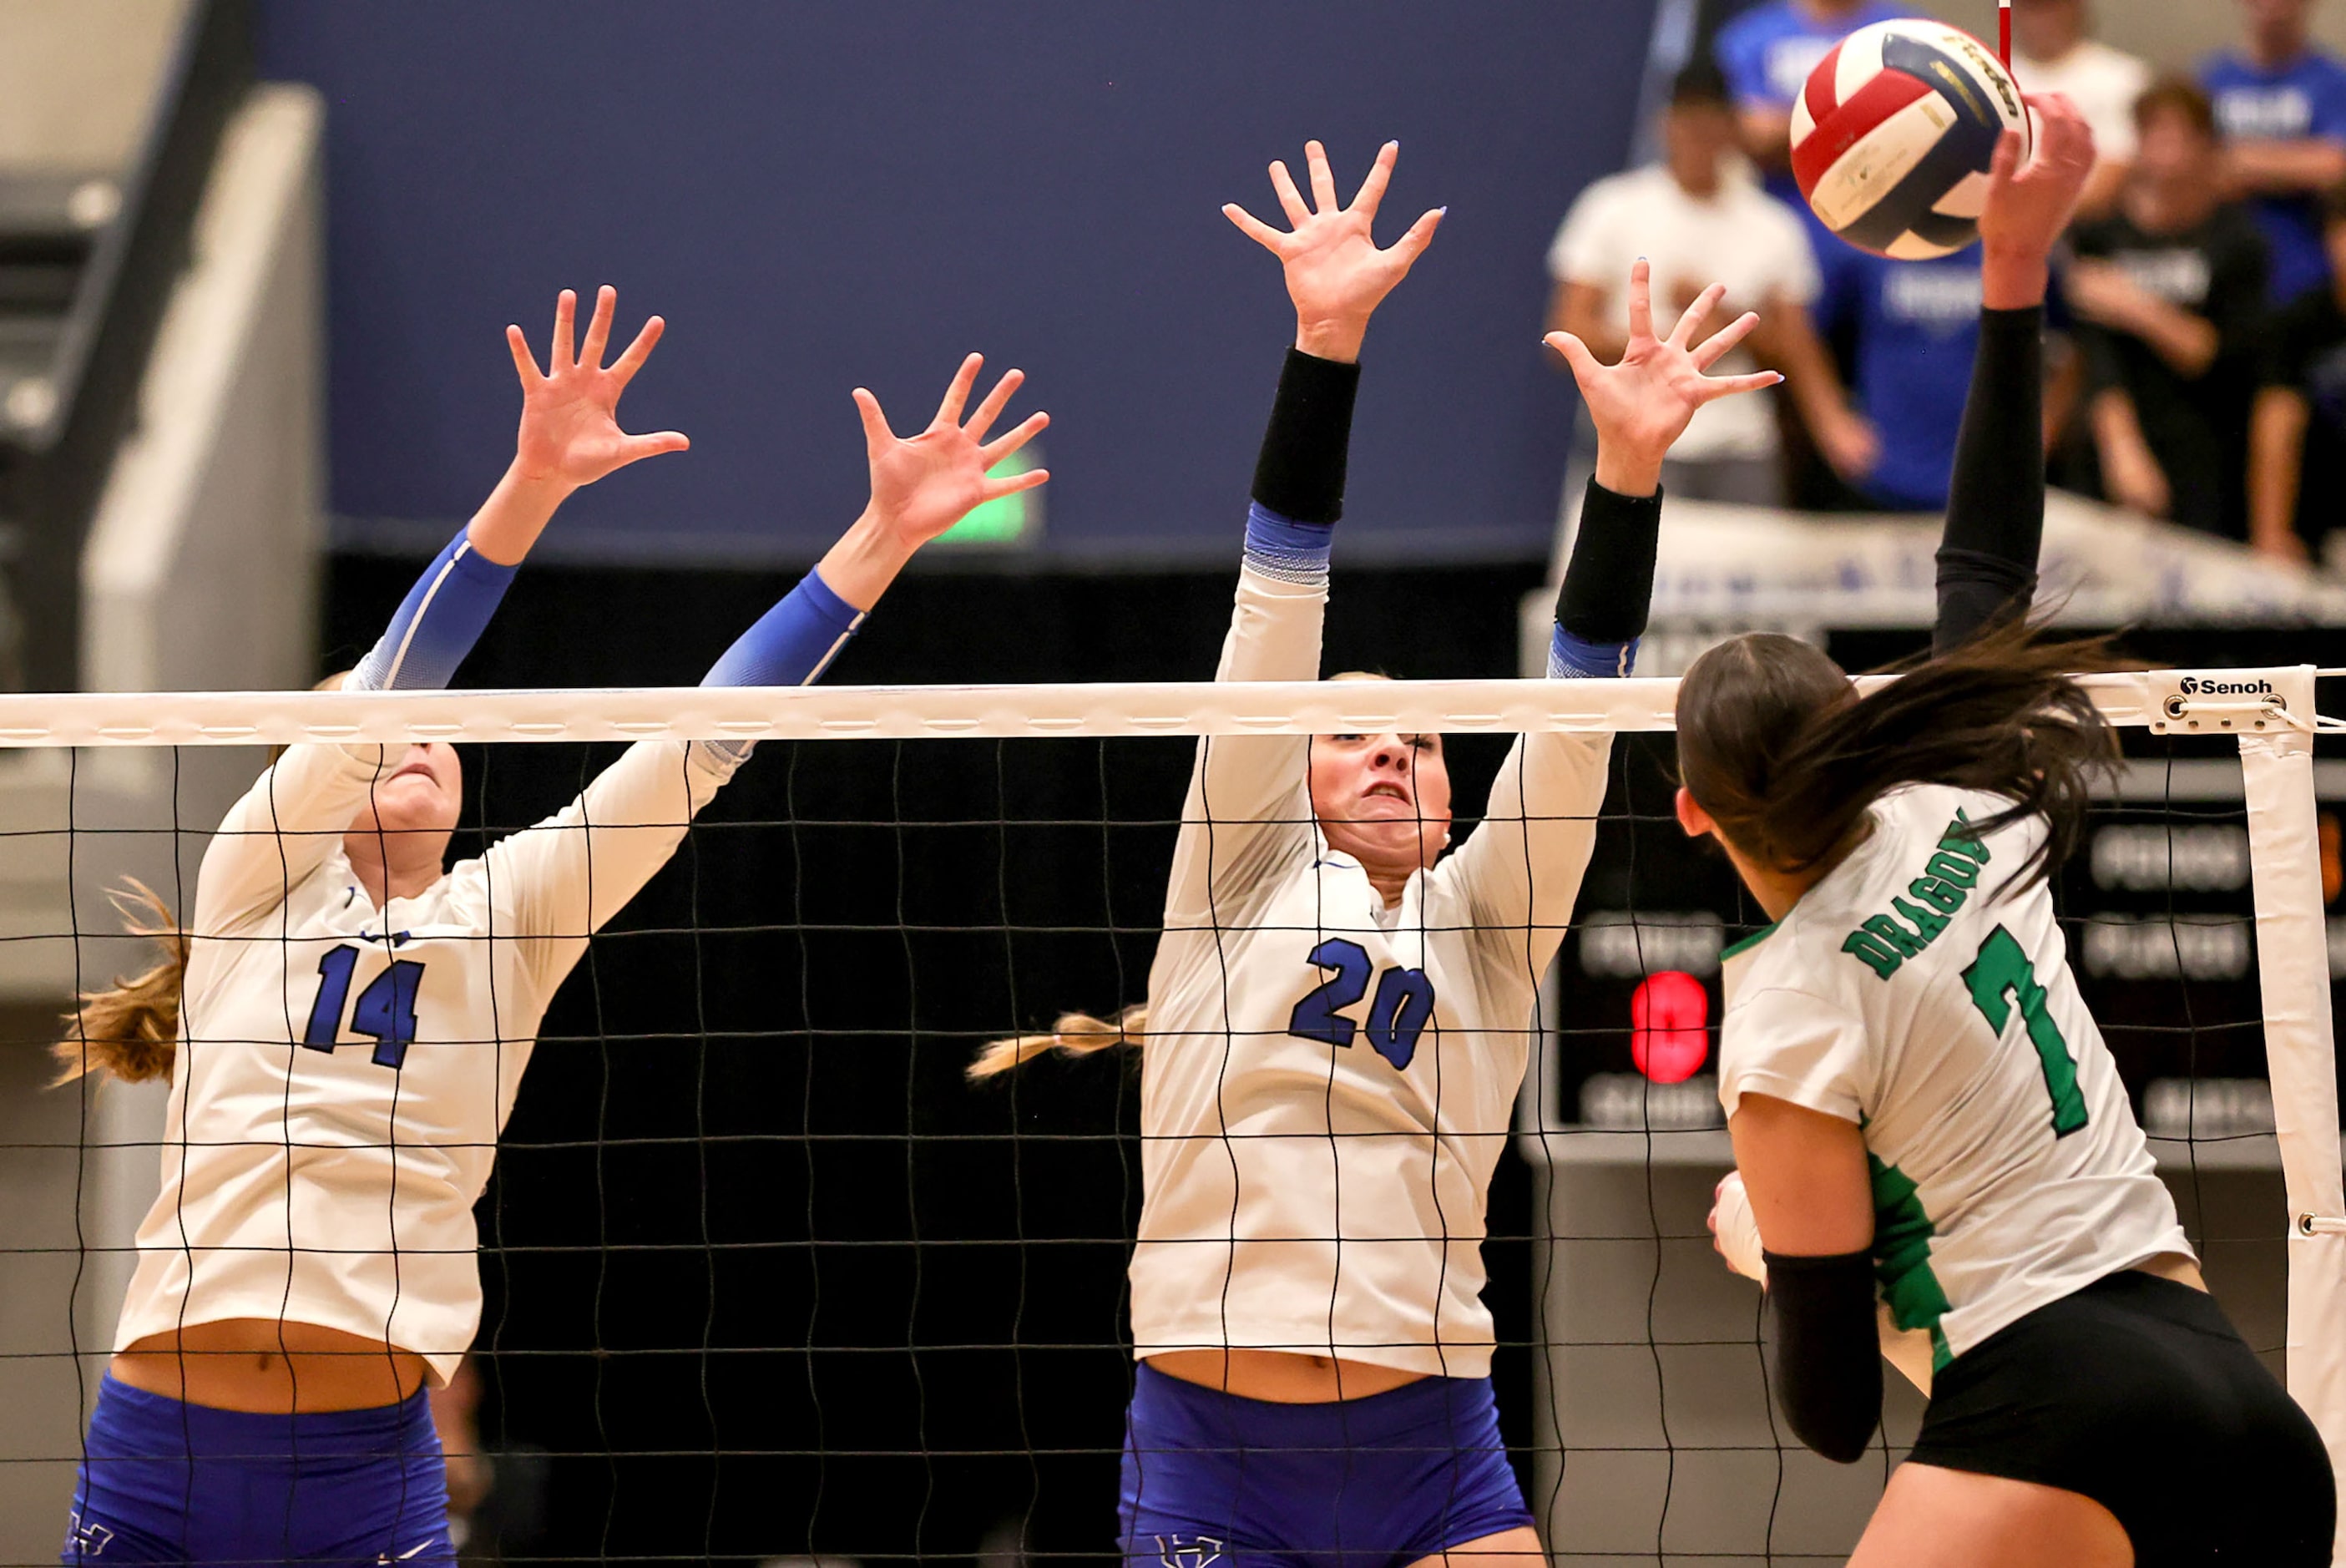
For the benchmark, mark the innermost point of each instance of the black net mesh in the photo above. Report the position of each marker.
(767, 1280)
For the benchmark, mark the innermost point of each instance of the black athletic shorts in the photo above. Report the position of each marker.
(2137, 1392)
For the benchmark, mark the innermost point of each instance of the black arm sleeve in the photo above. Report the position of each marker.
(1608, 586)
(1828, 1356)
(1996, 507)
(1300, 472)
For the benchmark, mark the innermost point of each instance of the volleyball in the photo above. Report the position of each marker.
(1893, 134)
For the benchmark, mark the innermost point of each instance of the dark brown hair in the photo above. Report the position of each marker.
(1776, 746)
(2182, 95)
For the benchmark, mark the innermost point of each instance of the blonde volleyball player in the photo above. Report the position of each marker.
(346, 1020)
(1921, 1105)
(1336, 1021)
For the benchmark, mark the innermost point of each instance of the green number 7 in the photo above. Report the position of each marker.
(2002, 967)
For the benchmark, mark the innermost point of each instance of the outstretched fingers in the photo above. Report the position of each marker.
(623, 369)
(1575, 354)
(565, 312)
(1026, 430)
(991, 409)
(995, 489)
(1323, 178)
(1291, 200)
(525, 363)
(957, 393)
(876, 433)
(1253, 228)
(1411, 245)
(635, 448)
(1682, 335)
(1716, 387)
(1641, 300)
(1372, 188)
(598, 327)
(1722, 343)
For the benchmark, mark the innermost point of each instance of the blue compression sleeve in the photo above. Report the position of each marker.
(1574, 658)
(1287, 551)
(437, 624)
(793, 642)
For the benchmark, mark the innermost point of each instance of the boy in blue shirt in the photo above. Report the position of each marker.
(2281, 101)
(1766, 54)
(1915, 331)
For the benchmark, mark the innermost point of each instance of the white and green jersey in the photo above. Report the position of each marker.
(1919, 993)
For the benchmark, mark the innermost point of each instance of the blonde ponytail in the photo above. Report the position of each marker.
(1075, 1034)
(130, 1033)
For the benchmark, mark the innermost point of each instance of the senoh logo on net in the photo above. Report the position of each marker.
(2193, 686)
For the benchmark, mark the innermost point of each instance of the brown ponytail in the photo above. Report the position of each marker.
(1780, 751)
(1075, 1034)
(130, 1033)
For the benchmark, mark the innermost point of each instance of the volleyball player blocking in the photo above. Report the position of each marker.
(345, 1021)
(1923, 1109)
(1339, 1011)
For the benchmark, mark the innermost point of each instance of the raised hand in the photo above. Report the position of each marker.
(570, 433)
(923, 484)
(2030, 200)
(1642, 405)
(1335, 273)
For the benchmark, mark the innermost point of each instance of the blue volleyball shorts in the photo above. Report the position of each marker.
(164, 1482)
(1215, 1481)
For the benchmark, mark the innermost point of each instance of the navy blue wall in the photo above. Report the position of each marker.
(822, 195)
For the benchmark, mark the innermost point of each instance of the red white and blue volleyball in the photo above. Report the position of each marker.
(1895, 133)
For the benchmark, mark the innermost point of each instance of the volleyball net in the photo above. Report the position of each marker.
(767, 1280)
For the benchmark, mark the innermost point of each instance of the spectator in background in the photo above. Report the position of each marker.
(2053, 53)
(2282, 103)
(1911, 331)
(2168, 296)
(2297, 444)
(1698, 216)
(1767, 55)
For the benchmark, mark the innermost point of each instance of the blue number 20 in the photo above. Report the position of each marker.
(385, 1010)
(1404, 1004)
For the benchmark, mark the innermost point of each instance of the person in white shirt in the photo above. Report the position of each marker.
(1339, 1015)
(1699, 216)
(345, 1020)
(1925, 1119)
(2053, 51)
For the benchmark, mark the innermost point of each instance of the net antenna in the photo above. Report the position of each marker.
(2003, 32)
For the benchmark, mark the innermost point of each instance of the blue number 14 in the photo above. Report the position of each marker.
(385, 1010)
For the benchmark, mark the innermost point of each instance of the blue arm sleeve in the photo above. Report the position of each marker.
(437, 624)
(1287, 551)
(793, 642)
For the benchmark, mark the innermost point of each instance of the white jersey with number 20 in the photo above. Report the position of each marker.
(1920, 992)
(1328, 1082)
